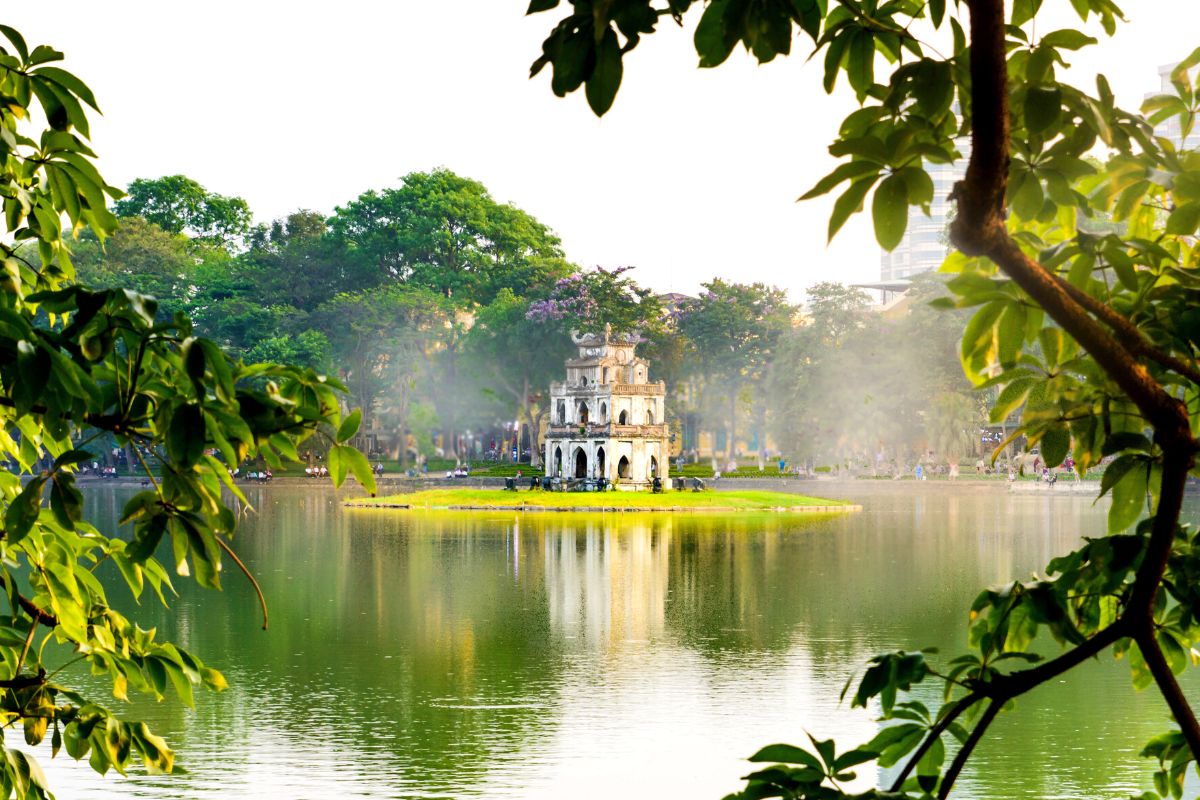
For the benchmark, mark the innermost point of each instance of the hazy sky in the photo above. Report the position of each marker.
(693, 174)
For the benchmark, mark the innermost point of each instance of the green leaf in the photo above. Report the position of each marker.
(186, 435)
(69, 82)
(18, 41)
(602, 84)
(1128, 498)
(1067, 39)
(23, 511)
(860, 65)
(337, 465)
(360, 467)
(66, 501)
(1117, 469)
(1042, 107)
(889, 209)
(849, 202)
(349, 426)
(1184, 220)
(712, 42)
(1056, 443)
(1011, 397)
(844, 172)
(786, 754)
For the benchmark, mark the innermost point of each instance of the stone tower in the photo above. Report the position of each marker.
(607, 419)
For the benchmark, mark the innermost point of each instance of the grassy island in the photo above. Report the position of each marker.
(492, 499)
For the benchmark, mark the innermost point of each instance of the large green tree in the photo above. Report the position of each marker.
(732, 330)
(517, 358)
(1092, 334)
(382, 341)
(178, 204)
(141, 256)
(80, 365)
(443, 232)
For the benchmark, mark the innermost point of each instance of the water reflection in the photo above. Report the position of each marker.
(498, 655)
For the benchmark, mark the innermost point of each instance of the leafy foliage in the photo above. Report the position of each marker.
(77, 365)
(178, 204)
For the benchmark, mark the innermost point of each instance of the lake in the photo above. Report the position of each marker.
(448, 655)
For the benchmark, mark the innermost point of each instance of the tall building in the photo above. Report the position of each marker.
(1169, 128)
(925, 243)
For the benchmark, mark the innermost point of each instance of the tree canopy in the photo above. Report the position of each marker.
(178, 204)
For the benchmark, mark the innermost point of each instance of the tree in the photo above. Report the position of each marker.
(78, 365)
(140, 256)
(952, 422)
(591, 299)
(178, 204)
(1101, 367)
(519, 356)
(298, 264)
(381, 340)
(732, 330)
(443, 232)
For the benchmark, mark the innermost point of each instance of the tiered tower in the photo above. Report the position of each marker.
(607, 420)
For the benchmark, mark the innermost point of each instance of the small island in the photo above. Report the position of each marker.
(499, 499)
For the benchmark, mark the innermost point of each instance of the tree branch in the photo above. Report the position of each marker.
(32, 609)
(1129, 335)
(1169, 687)
(960, 758)
(934, 734)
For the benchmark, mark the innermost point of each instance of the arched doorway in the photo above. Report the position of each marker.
(600, 473)
(604, 412)
(623, 467)
(557, 461)
(580, 463)
(583, 413)
(560, 415)
(653, 467)
(624, 418)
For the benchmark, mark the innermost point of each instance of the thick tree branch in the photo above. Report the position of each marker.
(1129, 335)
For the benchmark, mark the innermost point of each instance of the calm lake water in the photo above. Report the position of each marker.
(449, 655)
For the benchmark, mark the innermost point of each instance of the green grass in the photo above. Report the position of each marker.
(498, 498)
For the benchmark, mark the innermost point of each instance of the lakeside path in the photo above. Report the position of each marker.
(738, 500)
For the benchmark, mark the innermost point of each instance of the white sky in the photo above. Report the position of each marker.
(692, 174)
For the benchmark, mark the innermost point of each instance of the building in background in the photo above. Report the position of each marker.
(926, 238)
(1169, 128)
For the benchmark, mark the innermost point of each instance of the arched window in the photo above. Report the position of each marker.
(624, 418)
(604, 412)
(653, 467)
(561, 413)
(557, 461)
(580, 463)
(583, 380)
(600, 473)
(623, 467)
(650, 416)
(583, 413)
